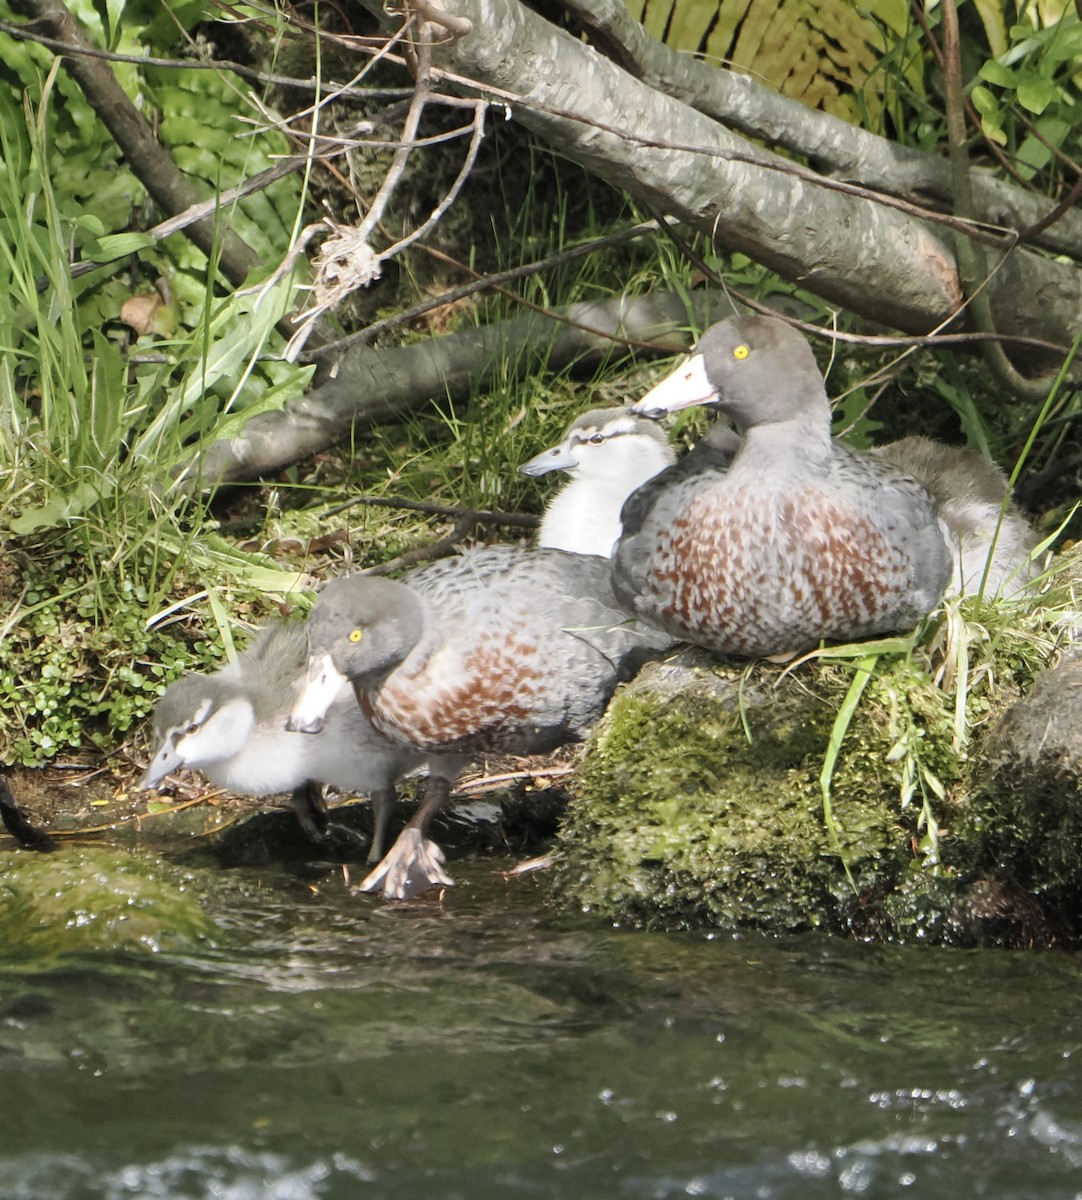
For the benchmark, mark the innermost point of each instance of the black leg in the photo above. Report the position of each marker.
(383, 805)
(311, 811)
(17, 825)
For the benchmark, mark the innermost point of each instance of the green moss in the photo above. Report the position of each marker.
(700, 801)
(94, 898)
(682, 820)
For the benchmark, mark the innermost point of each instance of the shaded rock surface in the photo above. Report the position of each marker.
(1028, 796)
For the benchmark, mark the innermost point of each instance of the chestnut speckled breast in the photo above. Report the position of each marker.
(517, 650)
(799, 538)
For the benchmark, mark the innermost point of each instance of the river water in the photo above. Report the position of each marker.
(329, 1045)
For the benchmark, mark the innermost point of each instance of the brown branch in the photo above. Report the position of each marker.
(24, 33)
(195, 212)
(148, 159)
(1050, 218)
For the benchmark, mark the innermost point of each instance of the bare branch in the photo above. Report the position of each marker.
(481, 283)
(886, 264)
(453, 191)
(374, 384)
(347, 260)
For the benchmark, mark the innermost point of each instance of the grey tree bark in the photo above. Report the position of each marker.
(887, 264)
(375, 384)
(832, 146)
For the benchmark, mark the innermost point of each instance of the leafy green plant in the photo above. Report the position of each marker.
(829, 54)
(1029, 100)
(102, 508)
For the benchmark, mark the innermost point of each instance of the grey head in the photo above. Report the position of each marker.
(756, 370)
(360, 629)
(602, 442)
(367, 624)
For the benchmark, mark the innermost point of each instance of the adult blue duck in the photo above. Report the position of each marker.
(611, 456)
(231, 726)
(800, 537)
(501, 649)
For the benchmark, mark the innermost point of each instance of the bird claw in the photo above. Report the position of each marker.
(413, 865)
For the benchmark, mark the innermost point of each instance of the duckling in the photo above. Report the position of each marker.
(231, 726)
(608, 453)
(970, 493)
(801, 537)
(501, 649)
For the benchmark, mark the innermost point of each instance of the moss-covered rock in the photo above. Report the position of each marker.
(1026, 812)
(96, 898)
(703, 799)
(699, 802)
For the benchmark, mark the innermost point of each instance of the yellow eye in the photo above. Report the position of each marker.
(355, 635)
(741, 351)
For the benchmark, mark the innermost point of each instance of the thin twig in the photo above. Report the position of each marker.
(482, 283)
(983, 230)
(195, 212)
(409, 134)
(430, 508)
(1050, 218)
(455, 188)
(973, 268)
(492, 783)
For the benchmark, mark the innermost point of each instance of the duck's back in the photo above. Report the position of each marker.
(522, 651)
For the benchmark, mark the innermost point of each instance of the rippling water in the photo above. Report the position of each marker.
(333, 1046)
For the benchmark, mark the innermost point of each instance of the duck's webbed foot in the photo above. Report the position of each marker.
(413, 865)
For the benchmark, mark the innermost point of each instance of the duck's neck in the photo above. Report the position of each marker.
(787, 443)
